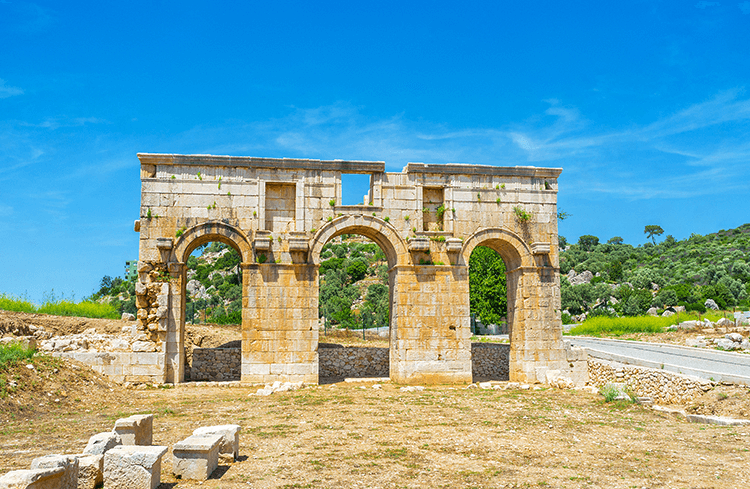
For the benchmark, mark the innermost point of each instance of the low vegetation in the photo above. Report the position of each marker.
(60, 307)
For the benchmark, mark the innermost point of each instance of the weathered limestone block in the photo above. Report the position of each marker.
(33, 479)
(101, 442)
(90, 471)
(133, 467)
(197, 456)
(230, 438)
(69, 464)
(136, 429)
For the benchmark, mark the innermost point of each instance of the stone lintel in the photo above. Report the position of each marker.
(506, 171)
(344, 166)
(540, 248)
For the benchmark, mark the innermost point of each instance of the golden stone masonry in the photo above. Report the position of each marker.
(278, 214)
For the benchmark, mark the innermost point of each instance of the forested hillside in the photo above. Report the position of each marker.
(670, 273)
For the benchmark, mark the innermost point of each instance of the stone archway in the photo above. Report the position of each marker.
(185, 244)
(533, 304)
(278, 213)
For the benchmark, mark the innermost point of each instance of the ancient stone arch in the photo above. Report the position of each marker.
(279, 213)
(374, 228)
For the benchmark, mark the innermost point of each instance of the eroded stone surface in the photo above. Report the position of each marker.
(197, 456)
(230, 438)
(33, 479)
(133, 467)
(69, 464)
(136, 429)
(101, 442)
(90, 471)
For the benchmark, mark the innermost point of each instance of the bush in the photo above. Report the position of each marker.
(566, 318)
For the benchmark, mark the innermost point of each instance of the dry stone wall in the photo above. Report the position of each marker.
(489, 361)
(353, 361)
(216, 364)
(662, 387)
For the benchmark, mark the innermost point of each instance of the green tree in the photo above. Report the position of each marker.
(653, 230)
(615, 240)
(587, 242)
(488, 296)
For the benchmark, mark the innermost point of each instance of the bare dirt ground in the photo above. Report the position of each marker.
(351, 435)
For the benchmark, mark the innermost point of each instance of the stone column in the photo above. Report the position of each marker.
(533, 311)
(430, 333)
(175, 325)
(279, 323)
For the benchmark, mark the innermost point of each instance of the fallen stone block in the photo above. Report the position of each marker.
(33, 479)
(90, 471)
(136, 429)
(69, 464)
(196, 457)
(717, 420)
(101, 442)
(230, 438)
(133, 467)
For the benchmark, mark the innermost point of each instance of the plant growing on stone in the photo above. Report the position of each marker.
(387, 219)
(313, 231)
(180, 231)
(255, 214)
(498, 200)
(440, 212)
(199, 177)
(479, 196)
(148, 213)
(261, 258)
(406, 218)
(502, 186)
(547, 186)
(332, 202)
(174, 177)
(521, 214)
(329, 219)
(219, 183)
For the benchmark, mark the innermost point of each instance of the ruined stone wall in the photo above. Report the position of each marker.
(216, 364)
(353, 361)
(489, 361)
(662, 387)
(278, 213)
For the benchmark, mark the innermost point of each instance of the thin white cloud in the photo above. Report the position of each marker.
(58, 122)
(8, 91)
(704, 4)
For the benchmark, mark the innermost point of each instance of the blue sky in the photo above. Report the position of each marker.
(645, 105)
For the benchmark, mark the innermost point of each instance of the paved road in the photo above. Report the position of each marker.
(703, 363)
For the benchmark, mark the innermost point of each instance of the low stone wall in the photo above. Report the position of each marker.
(352, 361)
(216, 364)
(490, 361)
(662, 387)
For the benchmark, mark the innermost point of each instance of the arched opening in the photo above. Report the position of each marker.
(498, 258)
(211, 299)
(213, 313)
(488, 299)
(356, 258)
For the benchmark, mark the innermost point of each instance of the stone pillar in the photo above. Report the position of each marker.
(174, 340)
(430, 332)
(279, 323)
(533, 311)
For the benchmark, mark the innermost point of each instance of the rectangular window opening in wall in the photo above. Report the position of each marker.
(356, 188)
(280, 207)
(433, 211)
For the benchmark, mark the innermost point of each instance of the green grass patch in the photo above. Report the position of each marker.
(606, 326)
(13, 353)
(59, 307)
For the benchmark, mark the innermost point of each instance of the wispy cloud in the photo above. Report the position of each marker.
(704, 4)
(58, 122)
(30, 18)
(8, 91)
